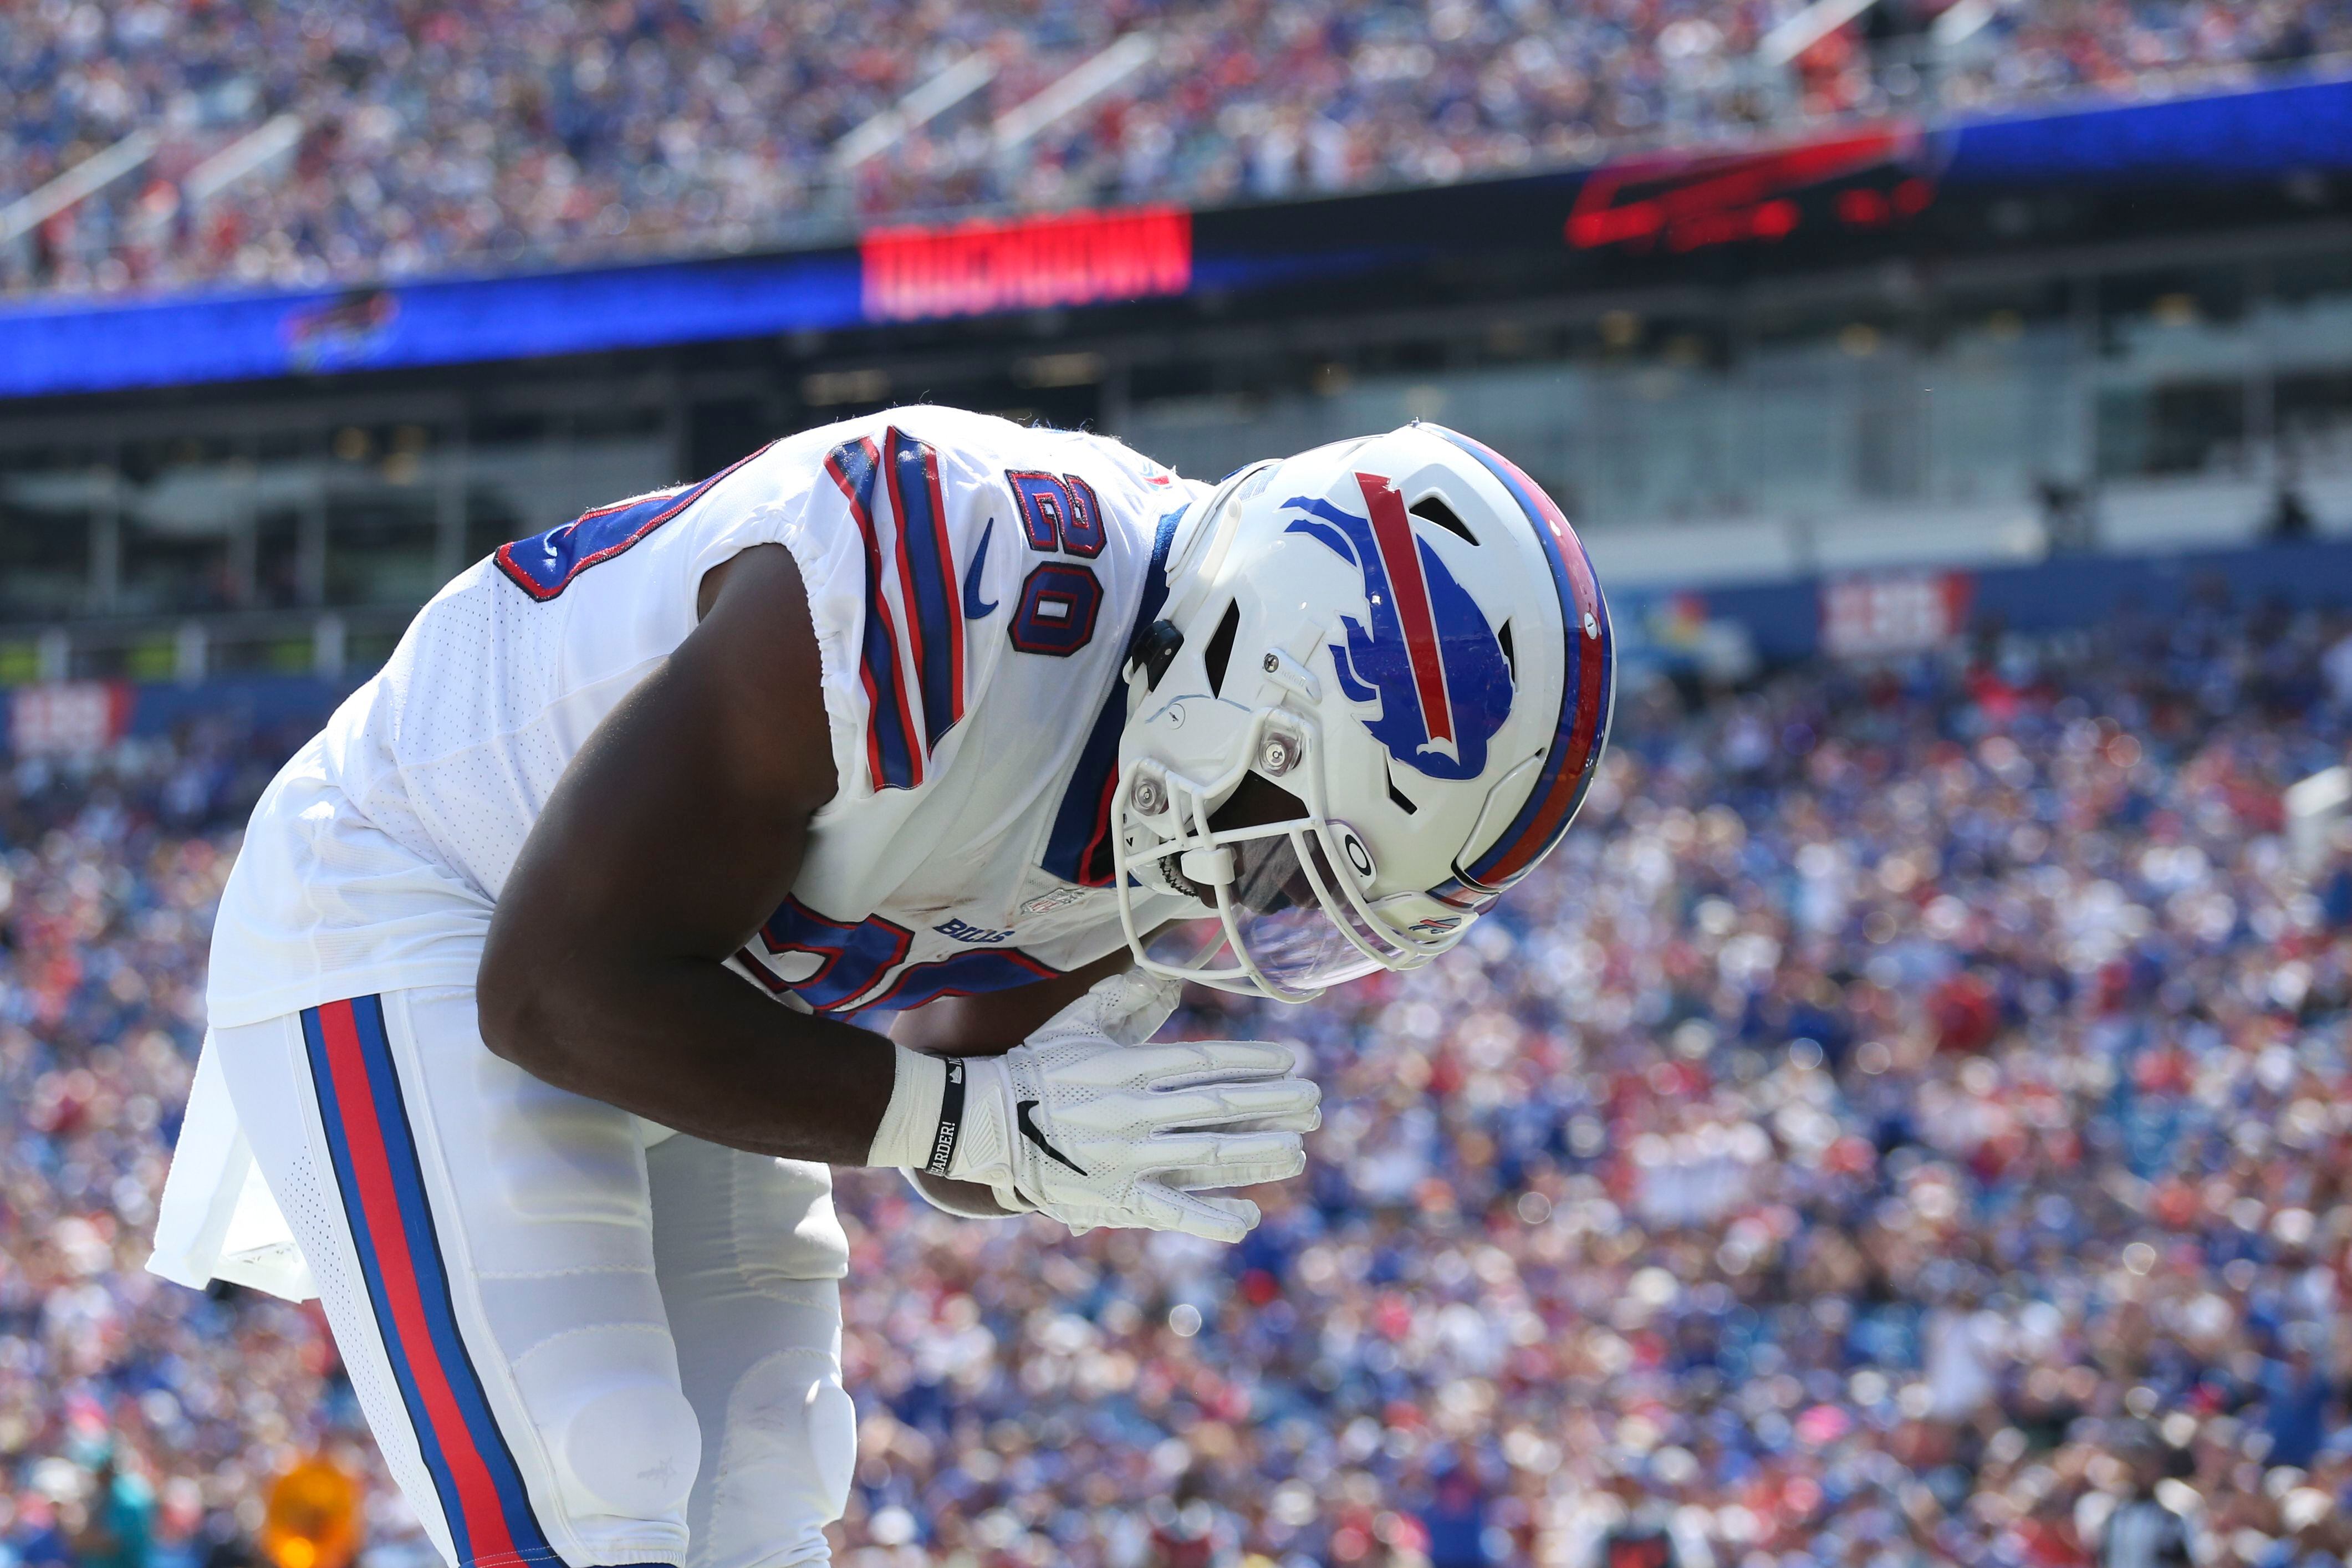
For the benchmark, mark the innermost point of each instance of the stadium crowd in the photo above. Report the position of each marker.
(528, 132)
(1907, 1122)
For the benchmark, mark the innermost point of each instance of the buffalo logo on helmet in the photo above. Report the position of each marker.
(1424, 653)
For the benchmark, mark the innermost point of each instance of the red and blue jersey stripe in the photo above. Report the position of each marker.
(857, 957)
(911, 701)
(968, 974)
(1589, 686)
(377, 1170)
(544, 565)
(893, 757)
(1077, 846)
(927, 579)
(854, 954)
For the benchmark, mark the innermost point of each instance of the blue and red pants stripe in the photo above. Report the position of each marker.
(381, 1181)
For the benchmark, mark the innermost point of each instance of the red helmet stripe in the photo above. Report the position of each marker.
(1584, 710)
(1567, 784)
(1392, 532)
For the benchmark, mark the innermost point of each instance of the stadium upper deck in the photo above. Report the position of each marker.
(149, 145)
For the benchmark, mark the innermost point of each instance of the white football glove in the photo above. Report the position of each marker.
(1082, 1122)
(1129, 1008)
(1095, 1133)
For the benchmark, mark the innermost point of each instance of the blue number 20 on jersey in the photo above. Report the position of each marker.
(1060, 600)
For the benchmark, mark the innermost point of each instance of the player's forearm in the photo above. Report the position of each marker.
(687, 1044)
(992, 1022)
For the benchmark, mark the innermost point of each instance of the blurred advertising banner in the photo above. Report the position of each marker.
(1024, 263)
(1894, 612)
(62, 718)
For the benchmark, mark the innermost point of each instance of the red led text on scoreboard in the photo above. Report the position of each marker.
(1026, 264)
(1685, 202)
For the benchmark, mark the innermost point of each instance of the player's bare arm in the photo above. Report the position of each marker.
(681, 823)
(996, 1021)
(677, 830)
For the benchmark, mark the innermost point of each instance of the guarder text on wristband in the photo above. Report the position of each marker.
(943, 1142)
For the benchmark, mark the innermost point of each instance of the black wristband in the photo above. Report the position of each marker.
(943, 1142)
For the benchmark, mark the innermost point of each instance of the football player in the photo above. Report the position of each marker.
(1000, 732)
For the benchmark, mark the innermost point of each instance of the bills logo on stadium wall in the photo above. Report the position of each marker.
(345, 333)
(1425, 655)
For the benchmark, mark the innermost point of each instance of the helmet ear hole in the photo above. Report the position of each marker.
(1220, 651)
(1432, 508)
(1398, 797)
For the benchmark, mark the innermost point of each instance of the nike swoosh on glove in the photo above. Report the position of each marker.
(1129, 1008)
(1133, 1005)
(1076, 1125)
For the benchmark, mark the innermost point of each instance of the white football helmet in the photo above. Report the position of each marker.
(1403, 634)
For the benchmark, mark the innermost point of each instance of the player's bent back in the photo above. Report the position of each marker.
(972, 584)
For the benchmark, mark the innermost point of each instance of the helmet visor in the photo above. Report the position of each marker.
(1295, 950)
(1287, 914)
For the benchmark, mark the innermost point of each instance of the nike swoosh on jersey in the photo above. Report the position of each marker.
(1029, 1130)
(974, 607)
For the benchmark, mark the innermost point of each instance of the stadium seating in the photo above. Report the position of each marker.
(306, 143)
(1905, 1091)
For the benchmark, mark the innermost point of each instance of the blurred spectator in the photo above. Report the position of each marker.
(2141, 1530)
(1638, 1530)
(120, 1521)
(1453, 1516)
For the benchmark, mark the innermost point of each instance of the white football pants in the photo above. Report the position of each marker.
(571, 1345)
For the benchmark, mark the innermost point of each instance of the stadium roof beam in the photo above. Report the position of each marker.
(86, 178)
(1808, 27)
(921, 105)
(1961, 22)
(241, 157)
(1071, 92)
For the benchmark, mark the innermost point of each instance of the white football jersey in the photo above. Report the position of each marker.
(974, 586)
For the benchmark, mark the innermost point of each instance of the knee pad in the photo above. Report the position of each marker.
(832, 1420)
(791, 1417)
(631, 1449)
(786, 1458)
(622, 1438)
